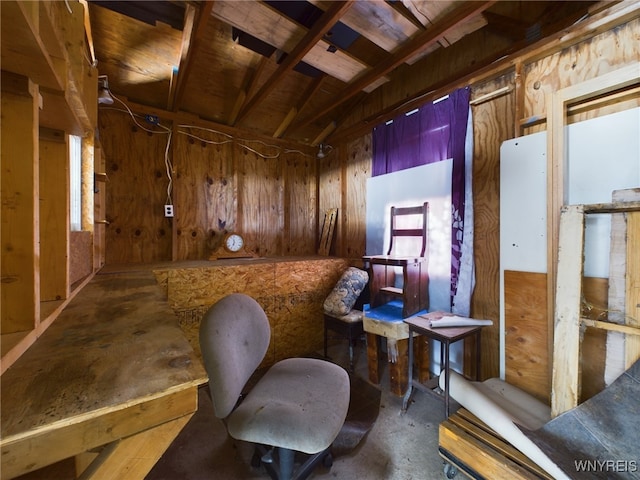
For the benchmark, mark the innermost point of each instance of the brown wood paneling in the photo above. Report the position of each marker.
(586, 60)
(135, 162)
(261, 202)
(356, 170)
(594, 342)
(527, 355)
(330, 183)
(205, 192)
(492, 124)
(526, 333)
(300, 207)
(220, 183)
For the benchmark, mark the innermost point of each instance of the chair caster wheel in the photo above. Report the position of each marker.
(450, 471)
(327, 461)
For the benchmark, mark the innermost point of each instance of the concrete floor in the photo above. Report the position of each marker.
(398, 446)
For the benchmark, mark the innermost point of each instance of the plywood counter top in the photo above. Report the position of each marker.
(114, 368)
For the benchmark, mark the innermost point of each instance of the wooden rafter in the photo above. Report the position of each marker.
(195, 24)
(319, 29)
(499, 64)
(418, 44)
(248, 90)
(506, 26)
(308, 94)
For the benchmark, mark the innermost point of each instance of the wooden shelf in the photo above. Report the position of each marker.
(23, 49)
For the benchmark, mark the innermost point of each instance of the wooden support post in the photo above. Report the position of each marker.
(632, 290)
(54, 214)
(20, 286)
(566, 352)
(623, 284)
(373, 357)
(399, 369)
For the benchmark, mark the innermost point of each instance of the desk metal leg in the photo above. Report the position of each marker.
(407, 395)
(446, 379)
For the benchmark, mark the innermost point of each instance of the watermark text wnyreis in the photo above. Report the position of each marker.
(617, 466)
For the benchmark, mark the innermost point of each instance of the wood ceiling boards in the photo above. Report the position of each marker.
(296, 69)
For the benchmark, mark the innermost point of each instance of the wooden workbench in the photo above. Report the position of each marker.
(113, 376)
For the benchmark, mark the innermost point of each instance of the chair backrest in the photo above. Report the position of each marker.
(234, 338)
(421, 212)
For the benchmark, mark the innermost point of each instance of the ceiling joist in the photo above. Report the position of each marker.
(320, 28)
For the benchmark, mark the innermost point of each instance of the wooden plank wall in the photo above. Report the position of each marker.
(602, 54)
(356, 171)
(266, 191)
(330, 188)
(493, 123)
(204, 178)
(136, 192)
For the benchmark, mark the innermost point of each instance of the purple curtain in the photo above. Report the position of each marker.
(435, 132)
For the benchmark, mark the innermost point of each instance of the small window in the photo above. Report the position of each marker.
(75, 180)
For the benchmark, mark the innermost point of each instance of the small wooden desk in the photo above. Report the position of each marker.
(420, 324)
(111, 382)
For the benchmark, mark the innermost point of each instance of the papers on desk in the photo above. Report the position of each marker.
(453, 321)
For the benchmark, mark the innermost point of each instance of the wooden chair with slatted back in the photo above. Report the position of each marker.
(414, 293)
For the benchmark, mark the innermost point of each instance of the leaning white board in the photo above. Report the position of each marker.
(603, 156)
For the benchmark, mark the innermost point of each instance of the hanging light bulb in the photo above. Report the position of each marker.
(320, 153)
(104, 95)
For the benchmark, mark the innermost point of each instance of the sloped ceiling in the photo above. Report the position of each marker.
(297, 69)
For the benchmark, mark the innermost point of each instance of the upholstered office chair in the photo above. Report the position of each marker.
(343, 308)
(299, 404)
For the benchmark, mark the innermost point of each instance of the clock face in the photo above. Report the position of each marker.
(234, 242)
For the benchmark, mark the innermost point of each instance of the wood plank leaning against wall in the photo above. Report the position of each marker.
(266, 190)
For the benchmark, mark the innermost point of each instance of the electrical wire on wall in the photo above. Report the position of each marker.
(185, 130)
(164, 130)
(241, 142)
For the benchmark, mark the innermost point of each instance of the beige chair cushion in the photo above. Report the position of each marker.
(300, 404)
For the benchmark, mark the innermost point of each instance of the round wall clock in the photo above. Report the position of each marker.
(233, 242)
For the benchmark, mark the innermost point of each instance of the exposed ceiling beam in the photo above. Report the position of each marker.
(599, 20)
(319, 29)
(268, 25)
(406, 13)
(308, 94)
(248, 90)
(419, 43)
(195, 25)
